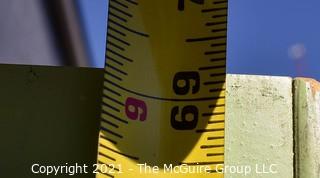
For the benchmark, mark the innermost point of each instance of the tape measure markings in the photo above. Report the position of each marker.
(105, 103)
(216, 74)
(119, 55)
(115, 117)
(111, 132)
(210, 146)
(218, 30)
(219, 20)
(128, 29)
(218, 14)
(123, 19)
(215, 105)
(114, 26)
(218, 2)
(116, 38)
(111, 107)
(119, 3)
(106, 156)
(112, 116)
(112, 91)
(112, 12)
(209, 130)
(217, 137)
(215, 52)
(212, 113)
(217, 59)
(110, 123)
(214, 9)
(114, 76)
(216, 90)
(217, 23)
(113, 60)
(118, 17)
(118, 34)
(214, 122)
(116, 69)
(201, 39)
(115, 45)
(114, 100)
(132, 2)
(114, 137)
(111, 7)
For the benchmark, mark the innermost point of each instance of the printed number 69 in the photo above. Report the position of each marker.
(188, 119)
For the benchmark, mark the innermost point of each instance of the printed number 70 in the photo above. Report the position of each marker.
(181, 3)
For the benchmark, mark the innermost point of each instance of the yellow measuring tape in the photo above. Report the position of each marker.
(164, 90)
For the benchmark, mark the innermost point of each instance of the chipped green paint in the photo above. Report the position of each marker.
(307, 128)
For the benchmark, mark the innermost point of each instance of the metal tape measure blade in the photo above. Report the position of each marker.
(164, 89)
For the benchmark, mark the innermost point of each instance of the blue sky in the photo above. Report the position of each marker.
(94, 14)
(264, 37)
(274, 37)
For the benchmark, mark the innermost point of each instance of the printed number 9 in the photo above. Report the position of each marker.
(186, 78)
(136, 109)
(184, 123)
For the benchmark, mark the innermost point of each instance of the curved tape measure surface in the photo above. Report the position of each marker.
(164, 89)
